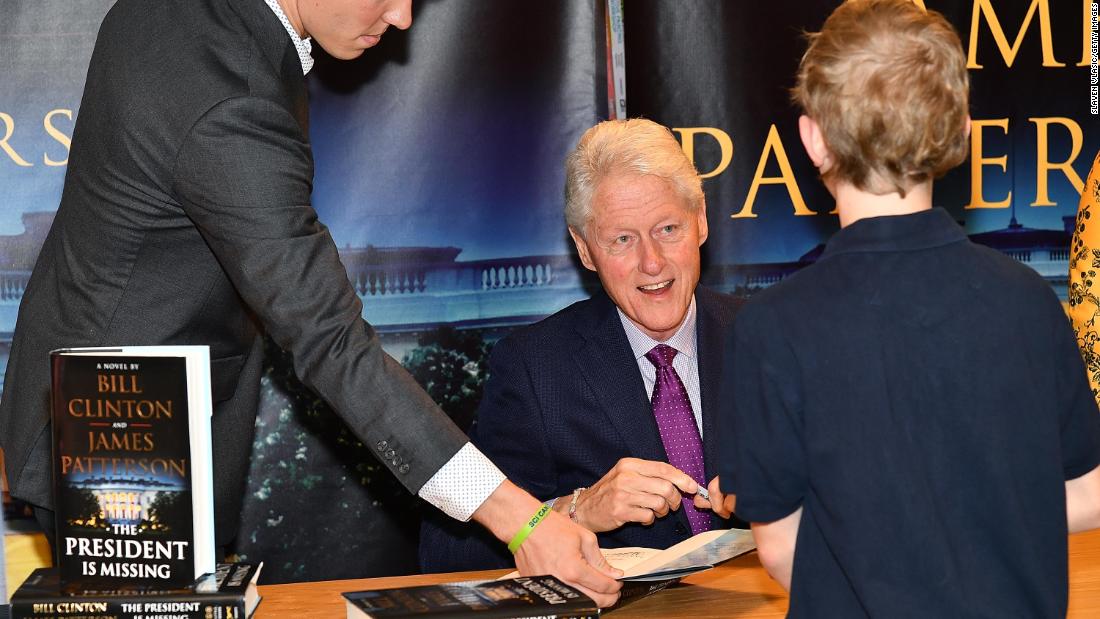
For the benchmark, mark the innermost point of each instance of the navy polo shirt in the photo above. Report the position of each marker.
(922, 398)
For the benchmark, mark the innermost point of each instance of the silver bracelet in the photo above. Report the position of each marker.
(573, 504)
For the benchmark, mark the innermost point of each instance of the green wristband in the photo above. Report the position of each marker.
(521, 536)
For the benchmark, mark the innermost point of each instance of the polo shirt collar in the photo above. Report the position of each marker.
(915, 231)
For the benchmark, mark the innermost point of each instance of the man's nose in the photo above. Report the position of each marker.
(399, 15)
(652, 258)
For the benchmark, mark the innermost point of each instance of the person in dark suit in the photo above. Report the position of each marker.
(186, 219)
(575, 410)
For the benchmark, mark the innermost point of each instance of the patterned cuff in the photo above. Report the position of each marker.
(463, 484)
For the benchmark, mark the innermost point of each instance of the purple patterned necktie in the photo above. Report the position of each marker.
(680, 435)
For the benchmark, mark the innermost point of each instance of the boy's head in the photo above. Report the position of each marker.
(886, 84)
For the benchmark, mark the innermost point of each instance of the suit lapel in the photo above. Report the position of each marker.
(608, 365)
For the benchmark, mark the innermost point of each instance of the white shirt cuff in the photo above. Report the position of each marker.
(463, 484)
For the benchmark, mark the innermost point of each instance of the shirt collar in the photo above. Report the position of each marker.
(683, 340)
(920, 230)
(304, 46)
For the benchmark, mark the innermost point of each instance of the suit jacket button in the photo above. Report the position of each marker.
(404, 468)
(390, 454)
(381, 445)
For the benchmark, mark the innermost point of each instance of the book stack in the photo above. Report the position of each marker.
(133, 491)
(229, 592)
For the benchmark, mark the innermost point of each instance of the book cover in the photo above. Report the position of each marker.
(535, 596)
(230, 592)
(132, 466)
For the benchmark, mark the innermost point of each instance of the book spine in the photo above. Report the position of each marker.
(61, 608)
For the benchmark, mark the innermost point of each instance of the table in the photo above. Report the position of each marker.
(738, 588)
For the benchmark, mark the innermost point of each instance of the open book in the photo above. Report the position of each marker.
(695, 554)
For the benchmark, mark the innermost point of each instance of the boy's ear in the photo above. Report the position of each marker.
(814, 142)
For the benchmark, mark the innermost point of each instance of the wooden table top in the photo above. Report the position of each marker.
(738, 588)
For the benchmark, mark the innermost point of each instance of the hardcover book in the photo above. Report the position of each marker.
(132, 466)
(229, 592)
(536, 596)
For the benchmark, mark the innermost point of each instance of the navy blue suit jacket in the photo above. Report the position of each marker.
(564, 402)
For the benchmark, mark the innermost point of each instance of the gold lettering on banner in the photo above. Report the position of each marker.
(55, 133)
(786, 177)
(978, 161)
(985, 7)
(725, 143)
(9, 129)
(1043, 165)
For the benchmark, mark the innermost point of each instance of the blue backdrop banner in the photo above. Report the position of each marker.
(439, 171)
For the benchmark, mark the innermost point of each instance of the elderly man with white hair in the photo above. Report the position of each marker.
(607, 408)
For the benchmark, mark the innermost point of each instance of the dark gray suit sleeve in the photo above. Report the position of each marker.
(244, 176)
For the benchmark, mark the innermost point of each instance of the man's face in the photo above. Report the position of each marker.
(347, 28)
(644, 243)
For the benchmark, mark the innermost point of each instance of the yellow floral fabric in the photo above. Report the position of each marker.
(1084, 277)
